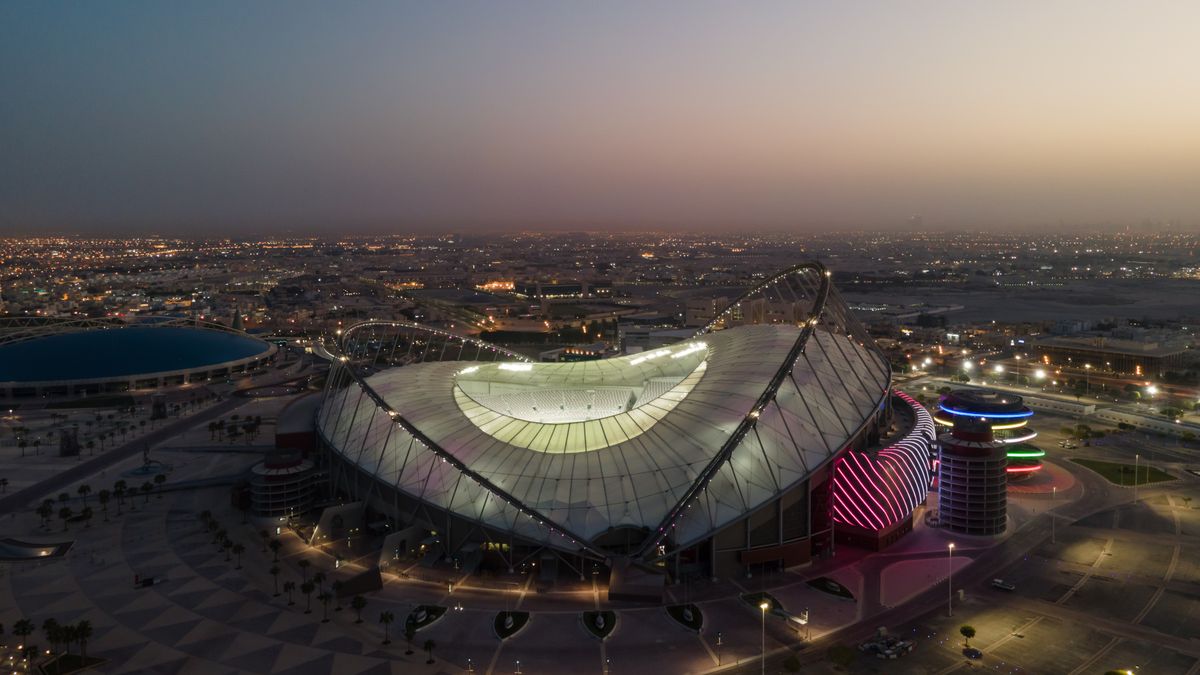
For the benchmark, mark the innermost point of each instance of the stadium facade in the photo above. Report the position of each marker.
(715, 456)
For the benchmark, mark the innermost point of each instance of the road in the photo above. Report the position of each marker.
(26, 497)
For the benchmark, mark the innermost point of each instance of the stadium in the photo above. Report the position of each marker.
(49, 360)
(748, 447)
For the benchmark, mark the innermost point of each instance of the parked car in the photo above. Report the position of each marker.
(1003, 585)
(972, 653)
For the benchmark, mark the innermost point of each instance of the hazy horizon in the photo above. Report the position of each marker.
(225, 118)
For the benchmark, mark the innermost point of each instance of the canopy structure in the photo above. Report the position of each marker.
(677, 442)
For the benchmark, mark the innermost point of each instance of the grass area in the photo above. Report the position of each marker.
(689, 616)
(1123, 474)
(755, 599)
(116, 401)
(600, 624)
(423, 615)
(827, 585)
(506, 628)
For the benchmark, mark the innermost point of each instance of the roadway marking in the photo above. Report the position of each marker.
(491, 667)
(995, 645)
(1086, 665)
(1087, 575)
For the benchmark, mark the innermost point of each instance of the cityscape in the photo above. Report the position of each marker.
(488, 347)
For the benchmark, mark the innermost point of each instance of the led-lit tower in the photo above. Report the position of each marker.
(972, 483)
(1006, 416)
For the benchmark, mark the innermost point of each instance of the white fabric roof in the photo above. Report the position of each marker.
(628, 469)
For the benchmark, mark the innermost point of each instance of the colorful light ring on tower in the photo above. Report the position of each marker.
(1008, 417)
(875, 491)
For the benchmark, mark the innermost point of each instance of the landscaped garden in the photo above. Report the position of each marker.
(1125, 474)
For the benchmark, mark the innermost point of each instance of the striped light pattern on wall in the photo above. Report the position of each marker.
(877, 490)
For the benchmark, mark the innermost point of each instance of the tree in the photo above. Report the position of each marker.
(265, 536)
(46, 511)
(238, 550)
(83, 632)
(3, 485)
(386, 618)
(336, 587)
(325, 598)
(410, 633)
(227, 546)
(65, 513)
(307, 589)
(147, 488)
(288, 587)
(429, 646)
(159, 481)
(119, 488)
(86, 515)
(275, 574)
(304, 565)
(103, 496)
(358, 603)
(83, 491)
(319, 580)
(23, 629)
(275, 545)
(53, 632)
(967, 632)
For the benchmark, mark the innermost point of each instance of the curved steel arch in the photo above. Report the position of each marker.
(446, 456)
(748, 422)
(411, 325)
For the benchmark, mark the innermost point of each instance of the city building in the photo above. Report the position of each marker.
(68, 359)
(1141, 358)
(972, 481)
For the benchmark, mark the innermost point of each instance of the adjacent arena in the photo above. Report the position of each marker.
(715, 456)
(62, 359)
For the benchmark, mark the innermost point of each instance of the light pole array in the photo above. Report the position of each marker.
(950, 580)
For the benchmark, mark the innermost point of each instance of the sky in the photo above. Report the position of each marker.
(217, 117)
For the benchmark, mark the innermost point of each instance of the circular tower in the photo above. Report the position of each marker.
(1008, 418)
(972, 481)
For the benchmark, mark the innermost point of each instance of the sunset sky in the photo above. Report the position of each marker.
(253, 116)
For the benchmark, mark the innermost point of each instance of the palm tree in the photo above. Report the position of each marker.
(410, 632)
(304, 565)
(3, 485)
(46, 511)
(119, 488)
(86, 514)
(336, 587)
(238, 550)
(324, 598)
(84, 490)
(83, 632)
(275, 573)
(429, 646)
(23, 629)
(64, 497)
(219, 536)
(386, 618)
(319, 580)
(307, 589)
(227, 545)
(51, 629)
(265, 536)
(288, 587)
(275, 545)
(103, 496)
(159, 480)
(358, 603)
(147, 488)
(65, 514)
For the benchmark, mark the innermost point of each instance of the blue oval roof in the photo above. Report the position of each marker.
(122, 352)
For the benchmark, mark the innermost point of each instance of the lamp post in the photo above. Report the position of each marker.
(950, 580)
(1136, 462)
(764, 606)
(1053, 498)
(1087, 379)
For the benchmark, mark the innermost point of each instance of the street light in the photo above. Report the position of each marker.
(950, 580)
(1087, 379)
(764, 606)
(1053, 498)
